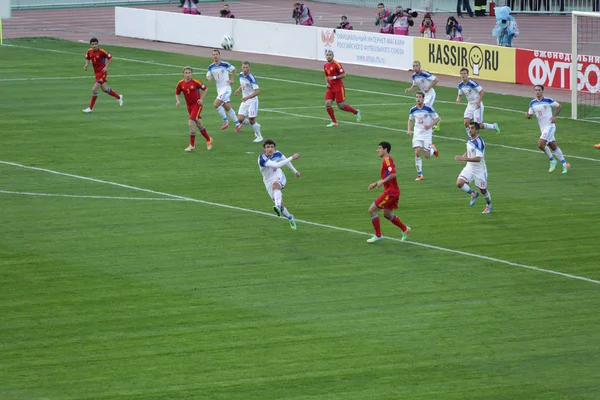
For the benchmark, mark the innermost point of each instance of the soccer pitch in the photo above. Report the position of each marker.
(133, 270)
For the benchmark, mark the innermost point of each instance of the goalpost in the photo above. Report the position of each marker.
(585, 52)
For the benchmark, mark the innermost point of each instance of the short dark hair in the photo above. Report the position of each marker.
(387, 146)
(92, 40)
(380, 5)
(421, 93)
(475, 124)
(268, 141)
(539, 86)
(217, 51)
(464, 69)
(246, 63)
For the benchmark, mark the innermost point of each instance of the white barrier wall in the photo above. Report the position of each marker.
(353, 47)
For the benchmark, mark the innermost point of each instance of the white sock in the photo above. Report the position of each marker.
(558, 153)
(431, 152)
(221, 112)
(488, 197)
(548, 152)
(488, 126)
(465, 188)
(256, 128)
(246, 122)
(277, 197)
(286, 213)
(232, 116)
(419, 164)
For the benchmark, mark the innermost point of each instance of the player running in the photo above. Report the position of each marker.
(425, 118)
(249, 107)
(474, 93)
(219, 71)
(101, 59)
(542, 107)
(425, 82)
(334, 73)
(191, 92)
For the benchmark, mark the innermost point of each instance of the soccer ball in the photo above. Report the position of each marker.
(227, 42)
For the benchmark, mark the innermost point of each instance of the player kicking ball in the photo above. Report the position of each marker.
(191, 88)
(249, 107)
(334, 73)
(101, 59)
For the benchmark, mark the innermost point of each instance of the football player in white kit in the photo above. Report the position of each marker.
(542, 107)
(425, 82)
(249, 107)
(425, 118)
(270, 163)
(474, 93)
(475, 170)
(219, 71)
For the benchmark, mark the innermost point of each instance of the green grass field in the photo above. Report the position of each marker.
(144, 272)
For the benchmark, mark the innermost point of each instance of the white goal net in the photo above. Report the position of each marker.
(585, 67)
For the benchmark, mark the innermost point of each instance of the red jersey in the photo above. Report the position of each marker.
(334, 68)
(191, 90)
(98, 58)
(388, 167)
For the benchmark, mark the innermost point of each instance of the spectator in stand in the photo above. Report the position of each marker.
(226, 12)
(401, 20)
(189, 7)
(428, 27)
(506, 28)
(344, 24)
(454, 30)
(464, 5)
(302, 14)
(380, 19)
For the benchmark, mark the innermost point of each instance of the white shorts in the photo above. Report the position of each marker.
(474, 114)
(548, 133)
(249, 108)
(269, 185)
(225, 95)
(423, 142)
(478, 175)
(429, 97)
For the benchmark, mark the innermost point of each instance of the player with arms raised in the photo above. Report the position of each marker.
(270, 163)
(219, 71)
(249, 107)
(388, 200)
(474, 94)
(334, 73)
(100, 59)
(191, 87)
(425, 82)
(475, 170)
(425, 118)
(542, 107)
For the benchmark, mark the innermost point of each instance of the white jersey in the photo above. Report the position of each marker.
(542, 109)
(220, 73)
(422, 116)
(476, 148)
(423, 79)
(269, 169)
(248, 84)
(471, 90)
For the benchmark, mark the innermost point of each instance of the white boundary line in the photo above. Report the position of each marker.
(337, 228)
(75, 196)
(276, 110)
(290, 81)
(58, 78)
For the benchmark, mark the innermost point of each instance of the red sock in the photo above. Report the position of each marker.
(205, 134)
(93, 101)
(396, 221)
(331, 114)
(377, 225)
(348, 108)
(113, 93)
(193, 139)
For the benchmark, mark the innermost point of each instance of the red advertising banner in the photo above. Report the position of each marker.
(553, 70)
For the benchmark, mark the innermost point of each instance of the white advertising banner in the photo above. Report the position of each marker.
(190, 29)
(366, 48)
(135, 23)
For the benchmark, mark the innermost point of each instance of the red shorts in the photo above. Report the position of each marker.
(387, 201)
(100, 77)
(337, 94)
(194, 111)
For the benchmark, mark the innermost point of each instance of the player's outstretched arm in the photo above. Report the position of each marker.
(410, 89)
